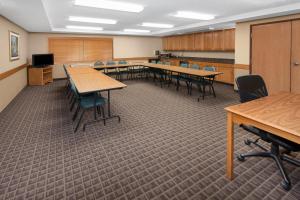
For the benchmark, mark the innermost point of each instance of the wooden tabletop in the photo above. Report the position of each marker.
(80, 70)
(183, 70)
(94, 82)
(280, 111)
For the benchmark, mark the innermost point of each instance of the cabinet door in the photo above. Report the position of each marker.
(227, 76)
(217, 40)
(295, 62)
(208, 41)
(199, 41)
(271, 55)
(229, 40)
(187, 42)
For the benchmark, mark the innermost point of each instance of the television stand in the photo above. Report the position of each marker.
(40, 76)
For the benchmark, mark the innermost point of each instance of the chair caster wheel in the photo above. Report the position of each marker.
(247, 142)
(285, 185)
(241, 158)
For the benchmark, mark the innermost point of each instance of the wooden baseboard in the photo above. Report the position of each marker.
(12, 71)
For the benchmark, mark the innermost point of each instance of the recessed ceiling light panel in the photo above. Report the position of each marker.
(136, 31)
(193, 15)
(92, 28)
(157, 25)
(92, 20)
(111, 5)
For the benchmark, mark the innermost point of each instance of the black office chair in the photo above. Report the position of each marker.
(252, 87)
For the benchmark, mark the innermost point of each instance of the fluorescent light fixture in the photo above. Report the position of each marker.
(136, 31)
(92, 20)
(111, 5)
(92, 28)
(211, 28)
(156, 25)
(193, 15)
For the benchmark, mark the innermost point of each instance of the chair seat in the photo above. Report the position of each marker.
(288, 145)
(268, 137)
(89, 101)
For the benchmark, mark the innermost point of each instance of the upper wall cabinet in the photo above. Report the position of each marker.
(222, 40)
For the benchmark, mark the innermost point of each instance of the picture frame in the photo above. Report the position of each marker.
(14, 44)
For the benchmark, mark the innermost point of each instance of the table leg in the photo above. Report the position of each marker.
(230, 146)
(108, 109)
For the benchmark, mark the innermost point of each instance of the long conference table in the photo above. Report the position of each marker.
(88, 79)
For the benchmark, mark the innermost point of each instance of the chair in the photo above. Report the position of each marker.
(123, 70)
(84, 102)
(112, 71)
(193, 79)
(207, 81)
(253, 87)
(183, 77)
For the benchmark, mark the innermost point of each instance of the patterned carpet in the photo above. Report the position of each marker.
(167, 146)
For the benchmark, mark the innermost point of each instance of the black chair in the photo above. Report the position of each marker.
(253, 87)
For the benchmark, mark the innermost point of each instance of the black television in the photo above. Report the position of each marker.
(42, 60)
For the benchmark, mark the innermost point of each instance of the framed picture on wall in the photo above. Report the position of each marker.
(14, 40)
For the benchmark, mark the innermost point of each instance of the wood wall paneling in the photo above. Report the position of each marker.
(80, 49)
(98, 49)
(271, 53)
(295, 59)
(66, 49)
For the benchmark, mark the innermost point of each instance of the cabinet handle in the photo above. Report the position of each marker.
(296, 63)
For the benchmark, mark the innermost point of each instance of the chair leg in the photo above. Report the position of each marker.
(286, 183)
(73, 104)
(76, 112)
(290, 160)
(213, 90)
(79, 121)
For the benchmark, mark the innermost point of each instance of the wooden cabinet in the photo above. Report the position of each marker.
(229, 40)
(217, 41)
(199, 41)
(187, 42)
(40, 76)
(228, 73)
(222, 40)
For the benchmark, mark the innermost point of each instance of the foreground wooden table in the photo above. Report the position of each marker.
(278, 114)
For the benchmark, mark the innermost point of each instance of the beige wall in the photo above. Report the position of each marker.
(11, 86)
(123, 47)
(242, 41)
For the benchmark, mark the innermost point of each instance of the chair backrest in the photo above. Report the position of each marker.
(110, 62)
(153, 61)
(122, 62)
(98, 63)
(209, 68)
(186, 65)
(195, 66)
(251, 87)
(167, 63)
(159, 62)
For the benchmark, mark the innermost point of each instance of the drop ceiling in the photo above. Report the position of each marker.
(53, 15)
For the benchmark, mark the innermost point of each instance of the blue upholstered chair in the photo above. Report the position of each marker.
(84, 102)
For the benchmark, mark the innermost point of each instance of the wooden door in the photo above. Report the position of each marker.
(295, 61)
(271, 53)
